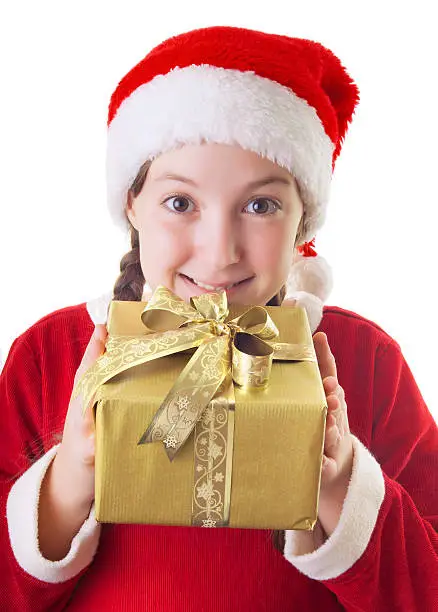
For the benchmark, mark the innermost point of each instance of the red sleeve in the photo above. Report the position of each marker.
(399, 568)
(21, 442)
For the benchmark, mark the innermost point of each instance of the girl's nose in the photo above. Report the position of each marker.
(222, 243)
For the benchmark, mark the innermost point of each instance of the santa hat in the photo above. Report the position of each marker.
(287, 99)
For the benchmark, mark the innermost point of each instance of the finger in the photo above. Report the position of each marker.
(326, 360)
(332, 438)
(289, 302)
(96, 345)
(89, 450)
(95, 348)
(329, 470)
(337, 408)
(333, 404)
(330, 383)
(334, 411)
(87, 421)
(82, 415)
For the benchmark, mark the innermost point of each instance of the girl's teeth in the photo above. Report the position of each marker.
(210, 288)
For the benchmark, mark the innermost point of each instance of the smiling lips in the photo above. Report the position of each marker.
(213, 287)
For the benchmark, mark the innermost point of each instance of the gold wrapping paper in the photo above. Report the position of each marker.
(278, 440)
(229, 351)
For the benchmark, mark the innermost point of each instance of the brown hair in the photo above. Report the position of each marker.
(130, 283)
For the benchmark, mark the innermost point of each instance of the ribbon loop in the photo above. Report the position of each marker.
(256, 321)
(165, 311)
(252, 360)
(211, 305)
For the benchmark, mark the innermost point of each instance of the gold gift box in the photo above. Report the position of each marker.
(278, 438)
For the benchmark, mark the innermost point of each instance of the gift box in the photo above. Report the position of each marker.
(249, 458)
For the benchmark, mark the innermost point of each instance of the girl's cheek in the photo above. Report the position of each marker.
(271, 251)
(164, 247)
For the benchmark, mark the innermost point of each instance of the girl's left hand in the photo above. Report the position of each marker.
(338, 445)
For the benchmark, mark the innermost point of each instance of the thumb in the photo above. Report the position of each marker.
(289, 302)
(326, 360)
(95, 348)
(100, 332)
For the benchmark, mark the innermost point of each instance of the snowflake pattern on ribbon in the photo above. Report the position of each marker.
(205, 491)
(170, 441)
(211, 443)
(182, 403)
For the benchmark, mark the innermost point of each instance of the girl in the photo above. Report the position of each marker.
(221, 146)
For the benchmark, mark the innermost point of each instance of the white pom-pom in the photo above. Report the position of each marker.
(312, 305)
(309, 284)
(310, 274)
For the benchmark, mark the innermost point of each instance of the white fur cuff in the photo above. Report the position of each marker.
(350, 539)
(22, 516)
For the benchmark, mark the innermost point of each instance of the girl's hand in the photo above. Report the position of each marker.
(75, 457)
(338, 444)
(67, 490)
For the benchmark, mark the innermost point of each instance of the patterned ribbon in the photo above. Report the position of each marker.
(203, 394)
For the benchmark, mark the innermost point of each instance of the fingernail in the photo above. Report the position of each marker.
(91, 444)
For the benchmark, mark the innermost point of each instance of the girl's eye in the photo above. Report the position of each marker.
(179, 204)
(258, 206)
(262, 206)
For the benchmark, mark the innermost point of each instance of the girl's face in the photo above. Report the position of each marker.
(213, 217)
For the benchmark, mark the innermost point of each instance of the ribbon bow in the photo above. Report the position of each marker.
(236, 347)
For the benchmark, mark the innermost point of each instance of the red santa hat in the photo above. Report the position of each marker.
(287, 99)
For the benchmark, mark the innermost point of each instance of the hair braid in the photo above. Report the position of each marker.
(130, 283)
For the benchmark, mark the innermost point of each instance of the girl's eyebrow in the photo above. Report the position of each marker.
(252, 185)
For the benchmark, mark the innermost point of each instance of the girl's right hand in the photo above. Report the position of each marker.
(67, 491)
(75, 456)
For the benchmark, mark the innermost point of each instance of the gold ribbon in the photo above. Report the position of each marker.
(228, 351)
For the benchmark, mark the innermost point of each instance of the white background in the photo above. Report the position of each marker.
(59, 65)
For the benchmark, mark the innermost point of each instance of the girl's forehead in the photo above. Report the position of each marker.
(197, 158)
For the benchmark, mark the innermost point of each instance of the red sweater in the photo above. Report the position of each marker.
(192, 569)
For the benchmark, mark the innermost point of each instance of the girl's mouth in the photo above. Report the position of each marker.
(205, 287)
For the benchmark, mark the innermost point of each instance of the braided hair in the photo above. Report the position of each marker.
(130, 283)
